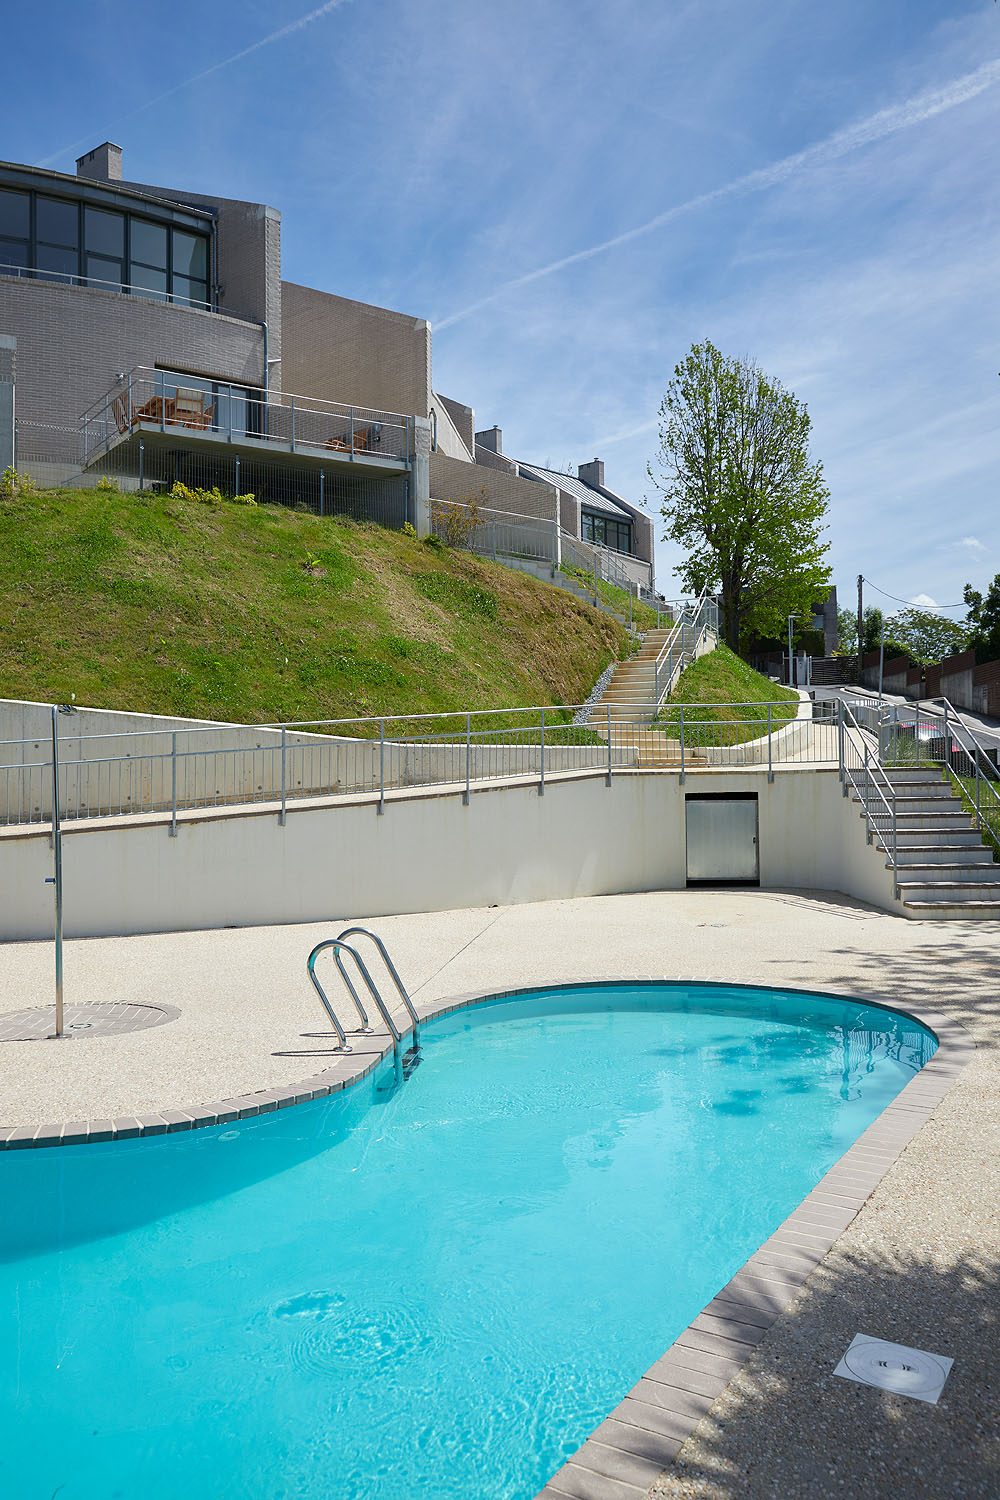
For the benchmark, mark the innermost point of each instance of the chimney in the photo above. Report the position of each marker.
(492, 439)
(103, 164)
(592, 473)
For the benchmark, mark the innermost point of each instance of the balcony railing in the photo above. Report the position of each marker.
(186, 405)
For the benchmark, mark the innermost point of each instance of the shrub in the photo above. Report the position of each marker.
(455, 524)
(13, 486)
(214, 496)
(109, 485)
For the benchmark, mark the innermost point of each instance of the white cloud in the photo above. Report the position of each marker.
(972, 543)
(923, 601)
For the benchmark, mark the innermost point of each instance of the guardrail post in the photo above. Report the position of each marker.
(292, 400)
(895, 850)
(173, 785)
(322, 489)
(468, 756)
(57, 871)
(868, 823)
(381, 753)
(237, 478)
(683, 772)
(541, 784)
(609, 743)
(841, 745)
(770, 772)
(916, 733)
(351, 409)
(947, 736)
(163, 403)
(140, 462)
(284, 786)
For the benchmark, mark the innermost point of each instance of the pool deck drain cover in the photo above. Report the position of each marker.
(96, 1018)
(894, 1367)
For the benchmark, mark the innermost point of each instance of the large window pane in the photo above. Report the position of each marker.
(149, 280)
(104, 233)
(54, 258)
(57, 223)
(189, 292)
(149, 243)
(190, 255)
(15, 217)
(13, 253)
(101, 269)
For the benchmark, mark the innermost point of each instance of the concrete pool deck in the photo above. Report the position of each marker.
(919, 1265)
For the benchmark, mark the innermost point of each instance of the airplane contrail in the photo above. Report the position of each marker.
(225, 62)
(885, 122)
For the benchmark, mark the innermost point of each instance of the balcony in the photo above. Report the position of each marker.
(157, 412)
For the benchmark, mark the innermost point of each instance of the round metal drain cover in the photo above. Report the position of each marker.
(97, 1018)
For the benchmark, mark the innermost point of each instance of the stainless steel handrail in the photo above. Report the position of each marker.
(337, 945)
(870, 784)
(393, 974)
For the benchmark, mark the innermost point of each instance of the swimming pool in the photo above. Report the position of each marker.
(422, 1292)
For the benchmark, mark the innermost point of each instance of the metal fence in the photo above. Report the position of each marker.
(324, 492)
(186, 770)
(45, 442)
(183, 404)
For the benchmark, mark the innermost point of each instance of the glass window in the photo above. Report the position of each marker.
(102, 269)
(56, 258)
(190, 255)
(148, 279)
(104, 233)
(15, 218)
(56, 222)
(13, 253)
(149, 244)
(188, 292)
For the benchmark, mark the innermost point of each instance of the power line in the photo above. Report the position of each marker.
(909, 602)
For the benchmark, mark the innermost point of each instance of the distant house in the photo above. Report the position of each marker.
(147, 333)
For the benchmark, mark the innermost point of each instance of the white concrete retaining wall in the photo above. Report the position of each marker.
(428, 852)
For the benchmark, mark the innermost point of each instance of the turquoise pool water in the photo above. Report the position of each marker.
(430, 1292)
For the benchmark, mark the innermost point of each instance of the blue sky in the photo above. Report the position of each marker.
(575, 192)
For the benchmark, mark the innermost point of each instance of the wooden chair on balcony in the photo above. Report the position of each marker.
(191, 408)
(121, 410)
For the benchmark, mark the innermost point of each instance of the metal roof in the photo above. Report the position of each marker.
(591, 498)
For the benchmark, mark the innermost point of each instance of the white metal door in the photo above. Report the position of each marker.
(722, 838)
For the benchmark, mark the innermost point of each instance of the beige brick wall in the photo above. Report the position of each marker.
(451, 479)
(71, 341)
(347, 351)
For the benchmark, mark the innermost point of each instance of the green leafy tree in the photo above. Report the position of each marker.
(740, 493)
(983, 620)
(925, 636)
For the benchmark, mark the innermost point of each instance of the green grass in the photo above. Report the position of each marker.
(989, 807)
(161, 605)
(643, 616)
(729, 694)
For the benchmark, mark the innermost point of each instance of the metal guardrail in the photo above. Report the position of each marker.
(172, 772)
(861, 768)
(681, 647)
(168, 401)
(911, 738)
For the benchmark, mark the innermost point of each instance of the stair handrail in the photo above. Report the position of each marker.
(872, 785)
(691, 615)
(976, 752)
(358, 931)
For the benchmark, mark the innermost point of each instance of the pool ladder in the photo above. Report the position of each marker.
(340, 946)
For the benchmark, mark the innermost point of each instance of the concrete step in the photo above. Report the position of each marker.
(950, 892)
(971, 855)
(963, 837)
(935, 789)
(950, 874)
(915, 773)
(943, 822)
(931, 910)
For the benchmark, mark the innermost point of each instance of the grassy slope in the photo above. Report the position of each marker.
(151, 603)
(729, 689)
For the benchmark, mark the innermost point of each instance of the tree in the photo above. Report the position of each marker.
(926, 636)
(983, 620)
(741, 495)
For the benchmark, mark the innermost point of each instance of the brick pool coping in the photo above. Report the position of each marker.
(641, 1436)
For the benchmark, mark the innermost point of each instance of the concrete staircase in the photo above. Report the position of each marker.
(945, 870)
(630, 694)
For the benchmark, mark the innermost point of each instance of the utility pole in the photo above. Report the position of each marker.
(861, 624)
